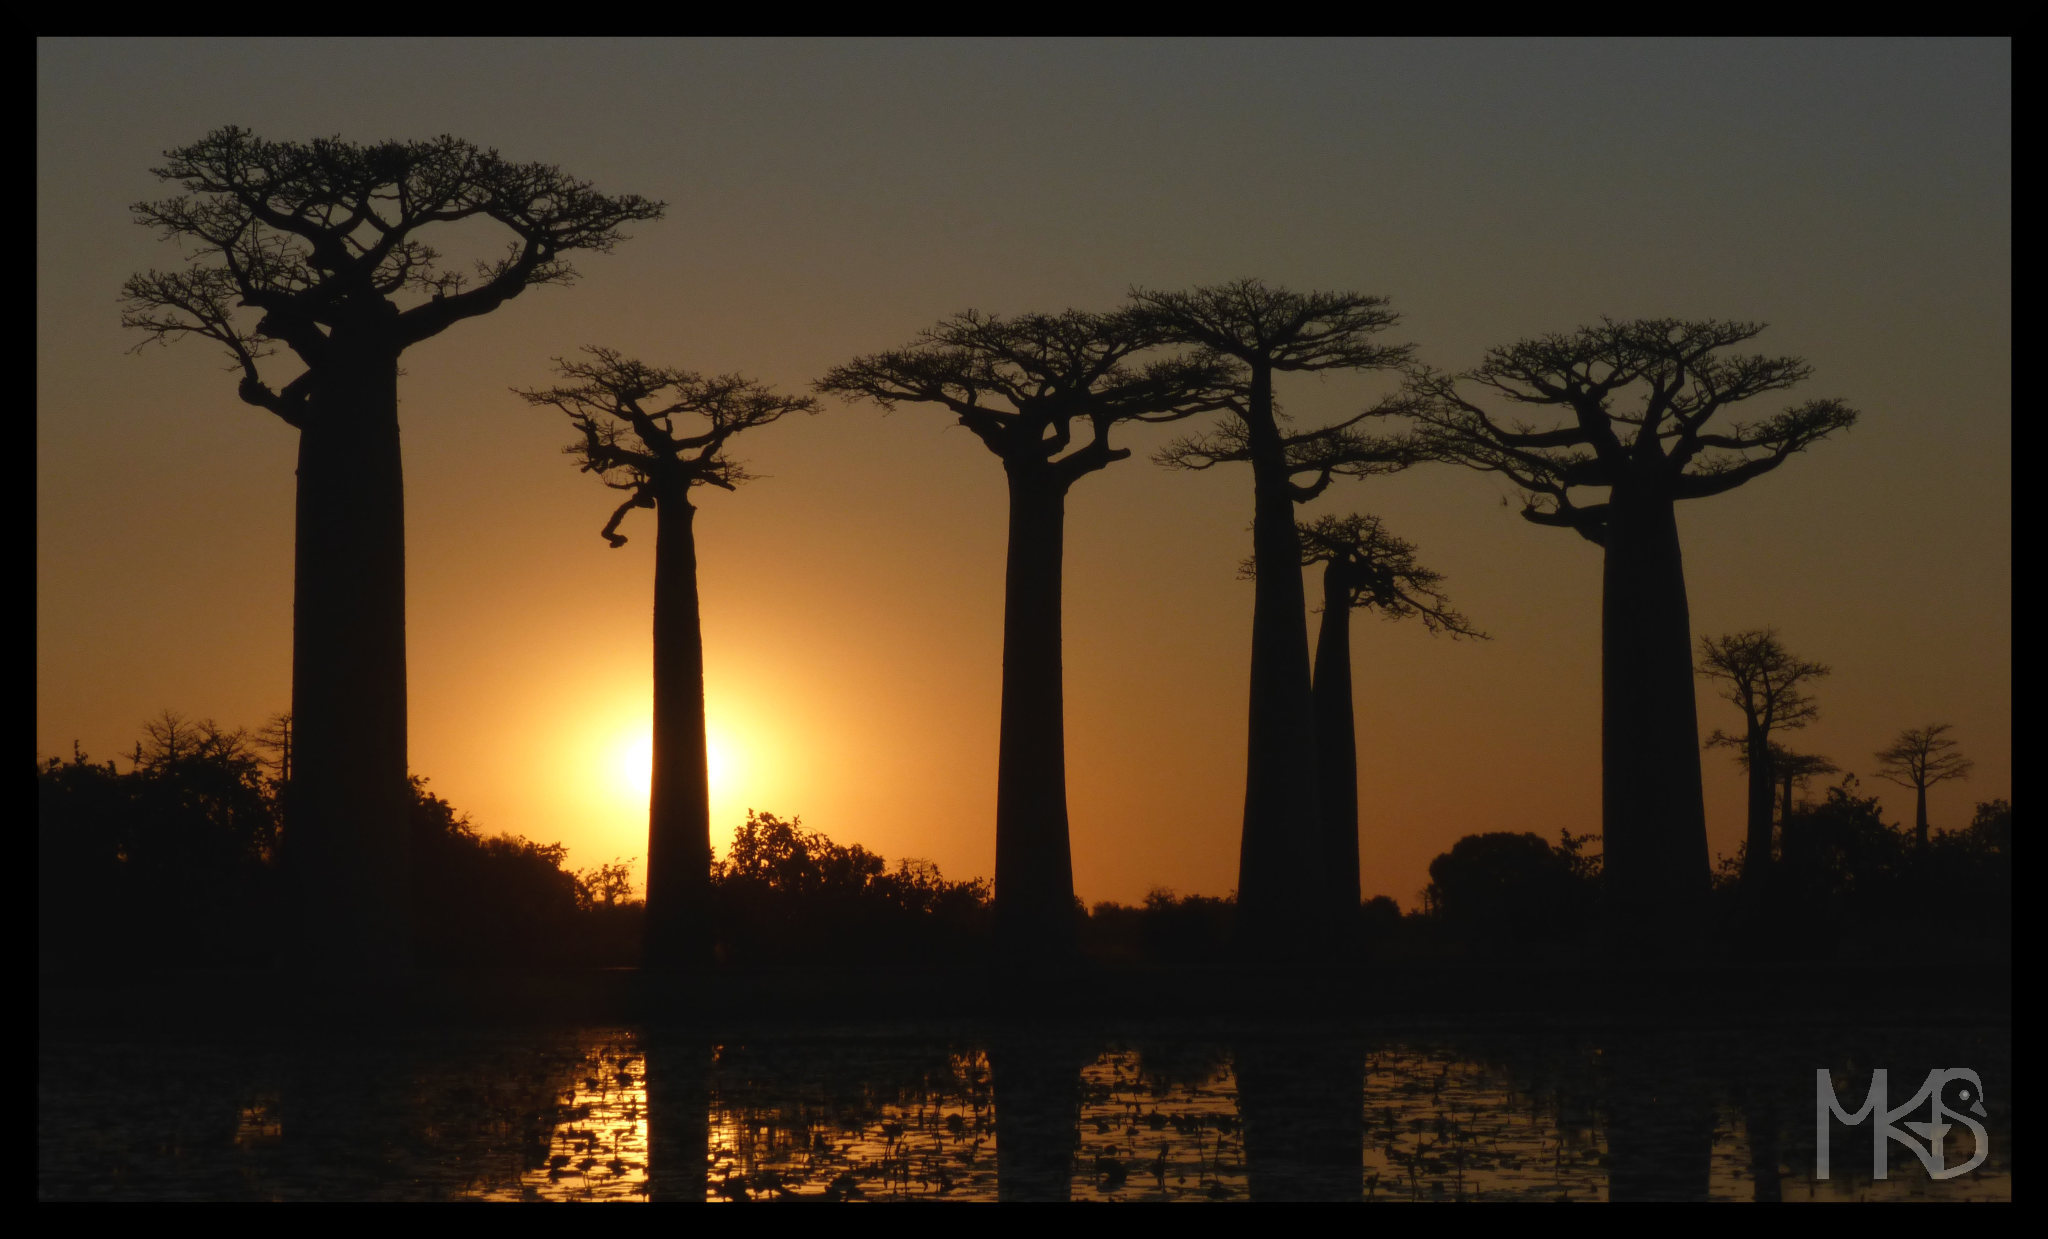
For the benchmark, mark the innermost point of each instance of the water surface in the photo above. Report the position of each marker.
(629, 1114)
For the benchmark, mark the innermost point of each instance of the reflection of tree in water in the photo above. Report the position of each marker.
(1660, 1121)
(609, 1114)
(1302, 1102)
(1038, 1109)
(678, 1118)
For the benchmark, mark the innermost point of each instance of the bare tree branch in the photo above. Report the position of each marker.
(625, 413)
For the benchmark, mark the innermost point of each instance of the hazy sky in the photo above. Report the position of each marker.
(828, 199)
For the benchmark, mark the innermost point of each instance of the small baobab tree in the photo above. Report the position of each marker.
(1920, 758)
(1762, 679)
(1791, 770)
(1365, 568)
(627, 416)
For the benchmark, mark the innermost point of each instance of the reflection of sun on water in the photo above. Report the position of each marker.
(598, 1150)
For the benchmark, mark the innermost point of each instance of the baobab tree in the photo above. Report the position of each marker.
(1364, 568)
(1660, 447)
(1763, 680)
(626, 414)
(321, 249)
(1920, 758)
(1790, 770)
(1269, 331)
(1042, 392)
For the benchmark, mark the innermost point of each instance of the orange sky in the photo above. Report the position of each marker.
(830, 199)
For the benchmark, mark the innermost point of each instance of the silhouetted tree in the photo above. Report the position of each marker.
(1991, 826)
(1763, 680)
(275, 738)
(1365, 567)
(1022, 386)
(626, 413)
(491, 900)
(1269, 331)
(1507, 889)
(319, 248)
(1920, 758)
(1839, 861)
(1646, 455)
(169, 862)
(1791, 770)
(783, 891)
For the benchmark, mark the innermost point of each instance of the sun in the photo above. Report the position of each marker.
(633, 761)
(633, 765)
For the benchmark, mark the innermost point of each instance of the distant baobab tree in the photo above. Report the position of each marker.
(1920, 758)
(1269, 331)
(1791, 770)
(1364, 568)
(1763, 680)
(1042, 392)
(626, 414)
(1645, 455)
(321, 248)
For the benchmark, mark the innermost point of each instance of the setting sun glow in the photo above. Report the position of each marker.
(624, 775)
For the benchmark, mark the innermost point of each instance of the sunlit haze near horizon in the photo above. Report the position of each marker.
(828, 199)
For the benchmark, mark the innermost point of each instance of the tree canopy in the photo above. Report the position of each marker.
(291, 243)
(1662, 439)
(1020, 384)
(1760, 677)
(626, 411)
(1378, 571)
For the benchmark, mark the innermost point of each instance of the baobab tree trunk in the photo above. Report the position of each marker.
(1276, 897)
(1337, 741)
(679, 787)
(1034, 860)
(1652, 809)
(1756, 862)
(346, 848)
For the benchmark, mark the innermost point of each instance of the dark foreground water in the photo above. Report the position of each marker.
(1245, 1113)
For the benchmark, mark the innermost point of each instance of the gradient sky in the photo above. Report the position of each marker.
(828, 199)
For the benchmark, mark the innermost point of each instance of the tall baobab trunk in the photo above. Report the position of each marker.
(1652, 806)
(1337, 742)
(1282, 819)
(679, 791)
(345, 844)
(1034, 859)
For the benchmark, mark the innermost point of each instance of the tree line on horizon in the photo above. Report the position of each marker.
(316, 249)
(174, 862)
